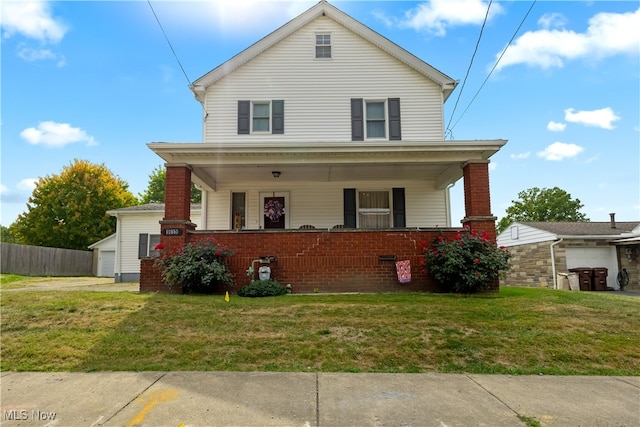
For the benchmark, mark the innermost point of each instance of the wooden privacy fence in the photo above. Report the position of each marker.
(41, 261)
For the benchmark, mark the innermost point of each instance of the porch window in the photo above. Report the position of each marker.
(373, 209)
(323, 45)
(238, 211)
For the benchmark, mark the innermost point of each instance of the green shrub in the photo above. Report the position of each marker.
(198, 267)
(467, 263)
(262, 288)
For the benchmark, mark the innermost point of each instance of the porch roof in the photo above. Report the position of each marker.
(441, 161)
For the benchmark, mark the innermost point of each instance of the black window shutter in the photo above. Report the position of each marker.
(143, 242)
(244, 117)
(357, 120)
(277, 119)
(399, 217)
(394, 119)
(350, 208)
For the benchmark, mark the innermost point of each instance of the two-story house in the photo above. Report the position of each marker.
(323, 147)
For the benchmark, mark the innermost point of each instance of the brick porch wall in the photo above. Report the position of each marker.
(321, 261)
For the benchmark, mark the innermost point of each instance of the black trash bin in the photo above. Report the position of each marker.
(585, 275)
(600, 278)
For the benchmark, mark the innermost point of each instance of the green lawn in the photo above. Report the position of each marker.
(517, 331)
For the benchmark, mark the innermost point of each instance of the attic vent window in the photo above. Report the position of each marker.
(323, 45)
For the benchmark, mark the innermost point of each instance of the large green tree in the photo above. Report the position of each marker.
(543, 204)
(69, 210)
(155, 189)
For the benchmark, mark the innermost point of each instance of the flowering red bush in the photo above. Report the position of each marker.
(197, 267)
(467, 263)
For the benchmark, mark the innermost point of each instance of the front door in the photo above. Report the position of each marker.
(274, 212)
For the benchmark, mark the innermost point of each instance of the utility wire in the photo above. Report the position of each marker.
(168, 42)
(486, 16)
(494, 67)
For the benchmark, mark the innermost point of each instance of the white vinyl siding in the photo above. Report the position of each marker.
(520, 234)
(130, 226)
(317, 93)
(320, 203)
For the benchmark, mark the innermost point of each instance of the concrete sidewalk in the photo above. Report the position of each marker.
(315, 399)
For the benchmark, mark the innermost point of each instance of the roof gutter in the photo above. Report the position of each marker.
(553, 262)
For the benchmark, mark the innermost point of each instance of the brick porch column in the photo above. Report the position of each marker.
(477, 200)
(177, 206)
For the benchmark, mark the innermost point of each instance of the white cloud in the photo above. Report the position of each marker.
(608, 34)
(54, 134)
(30, 54)
(493, 166)
(556, 127)
(31, 19)
(250, 16)
(3, 188)
(27, 184)
(552, 20)
(602, 118)
(521, 156)
(436, 16)
(560, 151)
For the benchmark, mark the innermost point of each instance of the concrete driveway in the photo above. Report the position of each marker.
(105, 284)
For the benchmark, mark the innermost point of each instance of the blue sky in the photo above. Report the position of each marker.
(97, 81)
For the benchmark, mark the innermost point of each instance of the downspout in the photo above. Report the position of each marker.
(553, 262)
(117, 276)
(447, 201)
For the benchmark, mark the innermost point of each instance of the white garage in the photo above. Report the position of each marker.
(595, 258)
(104, 256)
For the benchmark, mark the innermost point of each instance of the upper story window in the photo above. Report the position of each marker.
(261, 117)
(323, 45)
(375, 117)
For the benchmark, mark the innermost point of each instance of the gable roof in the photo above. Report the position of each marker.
(323, 8)
(580, 229)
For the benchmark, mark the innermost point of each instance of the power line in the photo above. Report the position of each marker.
(494, 67)
(486, 16)
(168, 42)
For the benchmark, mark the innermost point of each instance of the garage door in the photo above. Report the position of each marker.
(107, 263)
(595, 257)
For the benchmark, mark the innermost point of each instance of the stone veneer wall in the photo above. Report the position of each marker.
(632, 265)
(531, 265)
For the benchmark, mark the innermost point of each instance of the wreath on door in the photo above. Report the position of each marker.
(273, 210)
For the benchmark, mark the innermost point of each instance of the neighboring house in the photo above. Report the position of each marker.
(326, 127)
(137, 233)
(541, 250)
(104, 256)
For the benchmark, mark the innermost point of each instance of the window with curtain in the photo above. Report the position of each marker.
(375, 117)
(373, 209)
(238, 211)
(261, 116)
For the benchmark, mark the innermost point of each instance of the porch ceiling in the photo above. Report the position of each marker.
(322, 162)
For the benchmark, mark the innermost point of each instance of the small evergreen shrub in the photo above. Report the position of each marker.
(262, 288)
(198, 267)
(467, 263)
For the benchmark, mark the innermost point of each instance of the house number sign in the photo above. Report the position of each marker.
(172, 231)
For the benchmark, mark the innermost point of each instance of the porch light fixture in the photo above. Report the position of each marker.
(276, 174)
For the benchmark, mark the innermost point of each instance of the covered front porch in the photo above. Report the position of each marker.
(342, 253)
